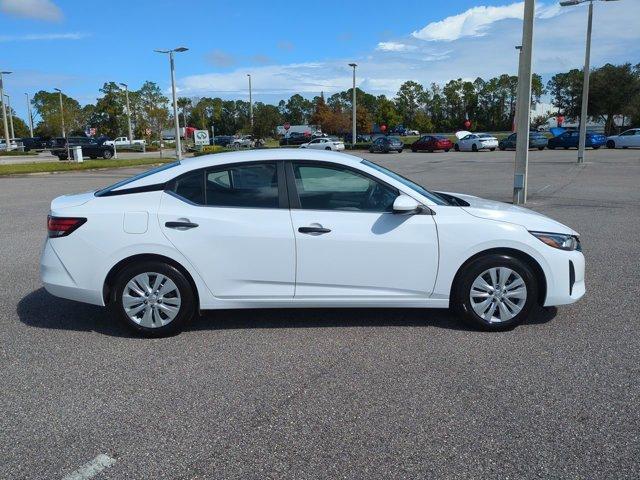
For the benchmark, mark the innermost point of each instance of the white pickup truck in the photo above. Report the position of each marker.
(124, 142)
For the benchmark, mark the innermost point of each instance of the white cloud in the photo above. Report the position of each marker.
(42, 36)
(394, 47)
(38, 9)
(476, 21)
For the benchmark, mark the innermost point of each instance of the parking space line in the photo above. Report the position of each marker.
(91, 468)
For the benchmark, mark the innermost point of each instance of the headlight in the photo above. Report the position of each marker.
(559, 240)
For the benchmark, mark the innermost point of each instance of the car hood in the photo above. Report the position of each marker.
(74, 200)
(505, 212)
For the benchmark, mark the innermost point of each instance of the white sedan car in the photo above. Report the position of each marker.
(628, 138)
(472, 142)
(286, 228)
(324, 143)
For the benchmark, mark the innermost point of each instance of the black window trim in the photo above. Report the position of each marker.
(282, 189)
(292, 189)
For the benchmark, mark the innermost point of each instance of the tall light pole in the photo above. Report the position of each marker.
(173, 91)
(126, 92)
(585, 82)
(30, 115)
(353, 106)
(64, 134)
(523, 106)
(250, 104)
(13, 135)
(4, 113)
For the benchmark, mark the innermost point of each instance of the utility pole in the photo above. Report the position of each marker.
(353, 106)
(250, 104)
(7, 139)
(126, 92)
(13, 135)
(173, 91)
(64, 134)
(30, 115)
(523, 106)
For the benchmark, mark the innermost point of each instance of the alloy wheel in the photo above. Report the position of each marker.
(498, 294)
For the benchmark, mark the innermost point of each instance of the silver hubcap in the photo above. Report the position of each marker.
(151, 300)
(498, 294)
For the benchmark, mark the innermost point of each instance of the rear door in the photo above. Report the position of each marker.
(233, 224)
(349, 244)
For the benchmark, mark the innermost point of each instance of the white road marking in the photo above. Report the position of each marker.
(91, 468)
(543, 188)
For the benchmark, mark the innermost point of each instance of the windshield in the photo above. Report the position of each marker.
(405, 181)
(124, 182)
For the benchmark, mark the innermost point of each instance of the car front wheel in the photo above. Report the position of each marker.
(611, 144)
(153, 298)
(107, 154)
(474, 148)
(495, 292)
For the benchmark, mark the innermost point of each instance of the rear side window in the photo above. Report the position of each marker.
(253, 185)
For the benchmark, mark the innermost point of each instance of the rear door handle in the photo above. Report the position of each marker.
(314, 230)
(180, 225)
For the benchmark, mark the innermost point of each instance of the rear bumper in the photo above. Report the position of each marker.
(58, 281)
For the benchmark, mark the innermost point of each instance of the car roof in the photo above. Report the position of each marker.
(221, 159)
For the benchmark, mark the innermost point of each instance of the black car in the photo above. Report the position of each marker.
(35, 143)
(360, 138)
(295, 138)
(222, 140)
(386, 145)
(91, 147)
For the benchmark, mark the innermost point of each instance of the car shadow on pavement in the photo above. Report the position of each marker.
(41, 310)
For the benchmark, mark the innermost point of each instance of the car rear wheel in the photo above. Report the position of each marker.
(502, 148)
(446, 149)
(456, 147)
(611, 144)
(327, 148)
(596, 147)
(540, 148)
(492, 149)
(62, 157)
(399, 150)
(495, 292)
(153, 298)
(107, 154)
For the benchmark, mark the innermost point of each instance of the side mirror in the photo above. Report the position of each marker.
(404, 204)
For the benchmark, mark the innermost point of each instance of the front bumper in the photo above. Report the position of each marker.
(567, 283)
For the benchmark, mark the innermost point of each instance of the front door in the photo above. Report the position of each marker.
(349, 244)
(232, 224)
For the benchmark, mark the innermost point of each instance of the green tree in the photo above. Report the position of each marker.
(298, 110)
(613, 90)
(386, 113)
(410, 99)
(265, 119)
(46, 105)
(109, 115)
(566, 92)
(151, 110)
(184, 104)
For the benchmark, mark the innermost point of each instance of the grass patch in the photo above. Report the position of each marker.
(16, 153)
(23, 168)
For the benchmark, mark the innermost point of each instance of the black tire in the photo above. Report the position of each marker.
(430, 151)
(107, 154)
(414, 150)
(540, 148)
(566, 148)
(62, 157)
(456, 147)
(446, 149)
(611, 144)
(327, 148)
(187, 307)
(474, 148)
(492, 149)
(93, 157)
(502, 148)
(371, 150)
(461, 302)
(596, 147)
(551, 147)
(400, 150)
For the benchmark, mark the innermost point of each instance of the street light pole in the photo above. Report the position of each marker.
(4, 113)
(13, 135)
(30, 115)
(353, 106)
(250, 104)
(64, 135)
(585, 81)
(175, 102)
(523, 106)
(126, 92)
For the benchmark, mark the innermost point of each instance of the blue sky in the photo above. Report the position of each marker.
(292, 48)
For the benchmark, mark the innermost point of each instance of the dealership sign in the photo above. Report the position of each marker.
(201, 137)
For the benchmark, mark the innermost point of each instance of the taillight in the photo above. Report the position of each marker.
(63, 226)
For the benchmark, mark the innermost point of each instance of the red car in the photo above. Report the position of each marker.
(431, 143)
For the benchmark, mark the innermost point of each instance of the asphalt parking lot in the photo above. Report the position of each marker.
(336, 393)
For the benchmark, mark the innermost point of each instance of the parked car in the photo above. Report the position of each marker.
(222, 140)
(536, 140)
(90, 147)
(34, 143)
(360, 138)
(412, 132)
(329, 143)
(431, 143)
(295, 138)
(13, 144)
(474, 142)
(246, 141)
(628, 138)
(311, 229)
(570, 139)
(386, 145)
(124, 142)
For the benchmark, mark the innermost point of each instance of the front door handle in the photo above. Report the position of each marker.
(314, 230)
(181, 225)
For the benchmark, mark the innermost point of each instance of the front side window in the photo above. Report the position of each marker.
(322, 187)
